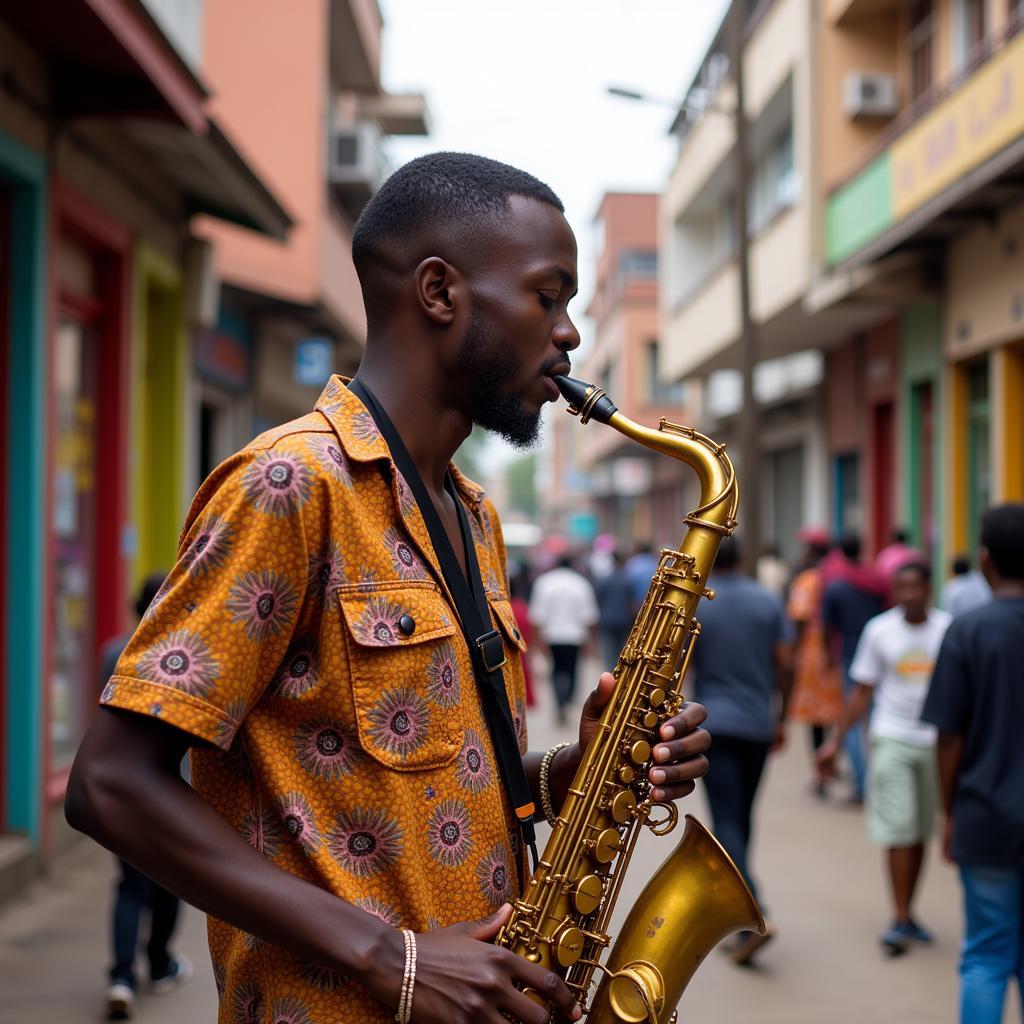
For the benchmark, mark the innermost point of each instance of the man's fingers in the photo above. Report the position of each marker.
(666, 794)
(684, 771)
(489, 927)
(689, 718)
(547, 984)
(599, 697)
(696, 742)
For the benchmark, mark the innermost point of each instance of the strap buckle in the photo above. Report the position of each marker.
(492, 650)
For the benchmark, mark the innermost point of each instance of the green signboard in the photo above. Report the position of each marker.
(860, 211)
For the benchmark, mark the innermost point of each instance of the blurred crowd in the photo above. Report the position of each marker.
(912, 688)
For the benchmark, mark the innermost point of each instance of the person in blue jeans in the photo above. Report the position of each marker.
(745, 687)
(976, 699)
(136, 894)
(855, 594)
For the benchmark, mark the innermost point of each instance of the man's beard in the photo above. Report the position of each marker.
(490, 362)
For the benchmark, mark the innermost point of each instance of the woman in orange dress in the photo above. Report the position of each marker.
(817, 698)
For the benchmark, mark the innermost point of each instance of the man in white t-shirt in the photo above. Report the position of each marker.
(563, 608)
(893, 663)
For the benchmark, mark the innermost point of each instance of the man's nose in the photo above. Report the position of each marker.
(566, 337)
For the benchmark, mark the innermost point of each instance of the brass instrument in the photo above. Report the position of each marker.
(698, 896)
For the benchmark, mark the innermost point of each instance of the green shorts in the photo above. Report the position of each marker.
(903, 792)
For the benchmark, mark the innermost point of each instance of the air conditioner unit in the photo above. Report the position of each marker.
(358, 166)
(870, 94)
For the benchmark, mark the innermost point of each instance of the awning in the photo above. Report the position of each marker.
(211, 173)
(109, 59)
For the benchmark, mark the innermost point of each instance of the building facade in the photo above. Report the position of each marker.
(107, 150)
(290, 312)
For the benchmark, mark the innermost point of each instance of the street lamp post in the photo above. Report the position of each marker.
(748, 420)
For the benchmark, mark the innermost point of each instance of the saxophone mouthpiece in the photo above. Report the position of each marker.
(586, 400)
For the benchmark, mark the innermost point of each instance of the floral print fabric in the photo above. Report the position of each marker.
(347, 748)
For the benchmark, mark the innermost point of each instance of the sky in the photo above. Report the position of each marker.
(524, 81)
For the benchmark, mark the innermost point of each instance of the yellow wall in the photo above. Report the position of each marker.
(158, 415)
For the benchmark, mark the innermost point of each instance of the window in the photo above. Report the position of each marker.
(919, 45)
(725, 229)
(970, 29)
(659, 390)
(774, 185)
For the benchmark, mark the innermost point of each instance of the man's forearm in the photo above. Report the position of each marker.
(158, 823)
(948, 751)
(854, 710)
(560, 775)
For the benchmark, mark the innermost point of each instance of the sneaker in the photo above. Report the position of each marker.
(896, 939)
(120, 1001)
(180, 971)
(748, 944)
(919, 934)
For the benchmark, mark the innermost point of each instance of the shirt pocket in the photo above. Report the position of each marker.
(501, 611)
(409, 680)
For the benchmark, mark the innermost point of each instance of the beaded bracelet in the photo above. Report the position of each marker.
(545, 782)
(404, 1014)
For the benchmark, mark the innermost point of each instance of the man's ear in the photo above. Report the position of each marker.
(439, 289)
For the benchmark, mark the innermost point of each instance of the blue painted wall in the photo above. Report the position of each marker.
(25, 173)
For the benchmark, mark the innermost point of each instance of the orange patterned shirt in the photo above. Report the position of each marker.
(348, 751)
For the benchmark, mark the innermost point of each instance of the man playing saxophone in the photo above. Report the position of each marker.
(337, 648)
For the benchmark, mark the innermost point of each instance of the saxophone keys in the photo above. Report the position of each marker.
(568, 946)
(623, 806)
(650, 719)
(606, 845)
(586, 894)
(626, 774)
(656, 697)
(639, 752)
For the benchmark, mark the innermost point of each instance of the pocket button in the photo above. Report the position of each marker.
(407, 625)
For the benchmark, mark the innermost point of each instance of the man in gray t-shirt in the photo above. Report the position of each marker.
(741, 668)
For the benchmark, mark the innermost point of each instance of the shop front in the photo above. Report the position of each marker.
(86, 594)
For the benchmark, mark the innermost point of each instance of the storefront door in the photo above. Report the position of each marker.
(73, 526)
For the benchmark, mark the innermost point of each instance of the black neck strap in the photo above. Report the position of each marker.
(485, 644)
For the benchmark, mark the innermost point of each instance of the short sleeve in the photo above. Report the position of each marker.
(867, 666)
(219, 627)
(948, 703)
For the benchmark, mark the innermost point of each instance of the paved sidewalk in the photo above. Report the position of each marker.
(822, 880)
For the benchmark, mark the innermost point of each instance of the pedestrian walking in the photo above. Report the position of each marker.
(772, 572)
(976, 700)
(519, 591)
(896, 553)
(563, 609)
(614, 592)
(745, 689)
(817, 698)
(336, 645)
(137, 895)
(855, 594)
(966, 590)
(641, 566)
(893, 662)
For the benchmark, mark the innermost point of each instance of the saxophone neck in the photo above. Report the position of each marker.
(719, 493)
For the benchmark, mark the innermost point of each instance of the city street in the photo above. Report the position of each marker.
(820, 877)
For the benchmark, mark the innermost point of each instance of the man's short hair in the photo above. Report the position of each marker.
(1002, 535)
(849, 544)
(445, 192)
(900, 535)
(961, 565)
(728, 554)
(921, 568)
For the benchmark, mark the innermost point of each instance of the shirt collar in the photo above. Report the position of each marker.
(362, 441)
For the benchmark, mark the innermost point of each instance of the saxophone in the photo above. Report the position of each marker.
(698, 896)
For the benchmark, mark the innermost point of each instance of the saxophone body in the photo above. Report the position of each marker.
(698, 896)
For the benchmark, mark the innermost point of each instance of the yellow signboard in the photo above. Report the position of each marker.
(982, 117)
